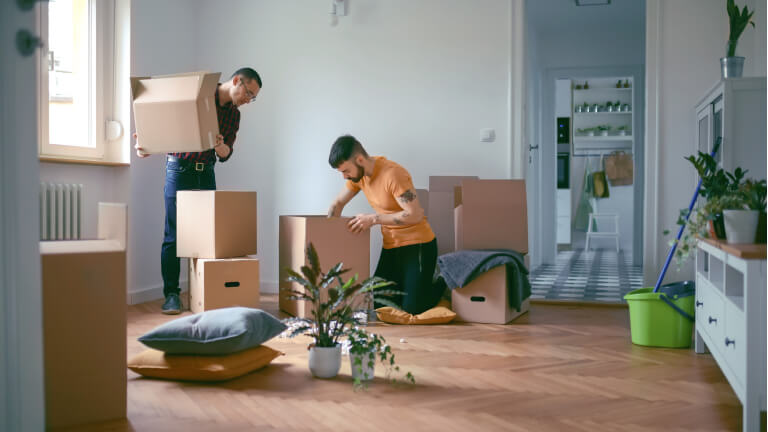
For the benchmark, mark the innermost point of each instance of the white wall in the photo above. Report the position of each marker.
(414, 81)
(693, 37)
(164, 37)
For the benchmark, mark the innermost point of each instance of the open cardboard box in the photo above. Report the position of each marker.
(176, 113)
(333, 243)
(439, 209)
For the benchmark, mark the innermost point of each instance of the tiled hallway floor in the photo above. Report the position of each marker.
(598, 275)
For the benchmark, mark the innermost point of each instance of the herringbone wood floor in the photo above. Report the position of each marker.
(560, 367)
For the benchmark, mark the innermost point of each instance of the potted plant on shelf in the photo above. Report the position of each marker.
(333, 309)
(364, 349)
(603, 129)
(623, 129)
(586, 131)
(754, 194)
(732, 66)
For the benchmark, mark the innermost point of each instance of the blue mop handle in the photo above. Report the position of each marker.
(682, 227)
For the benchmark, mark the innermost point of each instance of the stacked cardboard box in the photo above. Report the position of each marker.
(217, 231)
(440, 211)
(334, 244)
(489, 214)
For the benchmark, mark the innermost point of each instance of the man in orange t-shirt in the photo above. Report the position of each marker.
(409, 250)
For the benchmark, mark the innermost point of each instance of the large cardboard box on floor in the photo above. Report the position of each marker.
(215, 224)
(491, 214)
(176, 113)
(334, 244)
(486, 299)
(221, 283)
(440, 209)
(84, 339)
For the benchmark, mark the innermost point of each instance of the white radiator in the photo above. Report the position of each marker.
(61, 210)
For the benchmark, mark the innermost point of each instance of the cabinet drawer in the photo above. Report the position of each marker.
(734, 342)
(710, 314)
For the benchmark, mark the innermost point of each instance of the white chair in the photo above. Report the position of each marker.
(593, 218)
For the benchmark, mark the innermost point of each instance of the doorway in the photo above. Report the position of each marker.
(586, 93)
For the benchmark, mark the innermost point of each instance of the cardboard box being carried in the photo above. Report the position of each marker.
(84, 340)
(220, 283)
(215, 224)
(491, 214)
(486, 299)
(440, 209)
(334, 244)
(176, 113)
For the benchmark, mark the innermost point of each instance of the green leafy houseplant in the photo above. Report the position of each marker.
(720, 190)
(364, 348)
(332, 299)
(738, 22)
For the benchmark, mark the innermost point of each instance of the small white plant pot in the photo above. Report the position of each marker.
(362, 365)
(590, 133)
(325, 362)
(623, 133)
(603, 133)
(740, 225)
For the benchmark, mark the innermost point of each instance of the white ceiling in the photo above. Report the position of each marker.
(563, 17)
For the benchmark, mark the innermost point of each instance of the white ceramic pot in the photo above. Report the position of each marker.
(603, 133)
(740, 225)
(325, 362)
(364, 368)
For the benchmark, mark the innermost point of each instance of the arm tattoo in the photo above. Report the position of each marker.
(397, 221)
(407, 196)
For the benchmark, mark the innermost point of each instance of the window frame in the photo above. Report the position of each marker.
(106, 94)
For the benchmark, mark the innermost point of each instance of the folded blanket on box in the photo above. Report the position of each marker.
(461, 267)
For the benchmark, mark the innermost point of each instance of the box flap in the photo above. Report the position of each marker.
(446, 183)
(136, 87)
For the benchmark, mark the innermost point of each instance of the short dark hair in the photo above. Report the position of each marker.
(248, 74)
(344, 149)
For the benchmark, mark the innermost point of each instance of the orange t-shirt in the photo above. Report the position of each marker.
(388, 181)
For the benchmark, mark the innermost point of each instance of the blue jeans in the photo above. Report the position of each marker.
(178, 176)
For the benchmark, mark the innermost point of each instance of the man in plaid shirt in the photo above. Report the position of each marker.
(185, 171)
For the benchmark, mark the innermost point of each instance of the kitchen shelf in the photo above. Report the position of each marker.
(583, 138)
(601, 113)
(597, 89)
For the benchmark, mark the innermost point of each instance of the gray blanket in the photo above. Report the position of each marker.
(461, 267)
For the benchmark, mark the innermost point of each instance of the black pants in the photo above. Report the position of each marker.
(411, 269)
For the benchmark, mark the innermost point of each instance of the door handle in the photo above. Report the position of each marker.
(531, 147)
(26, 42)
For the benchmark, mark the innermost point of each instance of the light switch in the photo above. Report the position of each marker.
(487, 135)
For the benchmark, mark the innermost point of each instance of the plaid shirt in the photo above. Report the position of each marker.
(229, 123)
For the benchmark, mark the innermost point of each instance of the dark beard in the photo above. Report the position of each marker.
(360, 172)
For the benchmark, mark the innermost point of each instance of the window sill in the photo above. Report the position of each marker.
(70, 160)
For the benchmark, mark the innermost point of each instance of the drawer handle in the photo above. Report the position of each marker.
(730, 342)
(712, 320)
(698, 303)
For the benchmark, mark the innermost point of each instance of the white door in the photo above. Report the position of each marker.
(21, 342)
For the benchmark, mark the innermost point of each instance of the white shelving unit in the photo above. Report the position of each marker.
(730, 319)
(602, 91)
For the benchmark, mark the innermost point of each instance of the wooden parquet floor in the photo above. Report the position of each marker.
(558, 368)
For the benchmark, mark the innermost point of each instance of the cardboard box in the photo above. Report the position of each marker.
(334, 244)
(220, 283)
(440, 209)
(491, 214)
(176, 113)
(215, 224)
(84, 339)
(486, 299)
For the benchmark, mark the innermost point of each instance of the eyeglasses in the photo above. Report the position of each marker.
(251, 95)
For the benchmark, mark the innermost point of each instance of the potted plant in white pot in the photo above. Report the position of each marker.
(733, 66)
(755, 195)
(364, 350)
(333, 309)
(603, 129)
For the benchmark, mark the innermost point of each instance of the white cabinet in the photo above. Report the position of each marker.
(730, 319)
(603, 114)
(735, 110)
(563, 216)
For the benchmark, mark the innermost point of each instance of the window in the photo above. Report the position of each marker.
(80, 116)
